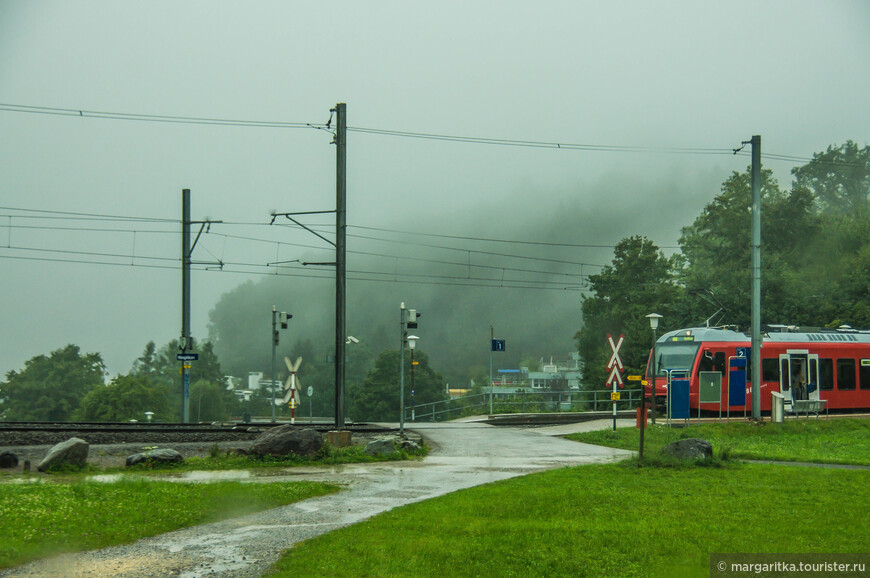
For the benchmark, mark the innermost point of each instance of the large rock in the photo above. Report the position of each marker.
(689, 449)
(287, 440)
(409, 446)
(71, 453)
(8, 460)
(156, 456)
(381, 446)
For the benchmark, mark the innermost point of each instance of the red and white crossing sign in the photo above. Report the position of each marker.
(615, 364)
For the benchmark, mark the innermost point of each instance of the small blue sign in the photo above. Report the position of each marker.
(187, 356)
(498, 344)
(737, 387)
(679, 402)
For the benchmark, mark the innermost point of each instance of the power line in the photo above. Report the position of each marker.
(47, 214)
(486, 239)
(543, 144)
(195, 120)
(473, 282)
(156, 117)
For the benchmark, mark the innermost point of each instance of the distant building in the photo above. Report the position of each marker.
(557, 375)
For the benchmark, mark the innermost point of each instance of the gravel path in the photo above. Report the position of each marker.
(464, 455)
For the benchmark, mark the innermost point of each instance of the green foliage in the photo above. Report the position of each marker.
(43, 519)
(716, 252)
(639, 282)
(838, 178)
(815, 261)
(51, 388)
(210, 401)
(126, 397)
(162, 368)
(620, 521)
(377, 397)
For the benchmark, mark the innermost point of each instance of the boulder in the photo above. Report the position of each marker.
(287, 440)
(689, 449)
(156, 456)
(8, 460)
(381, 446)
(73, 453)
(409, 446)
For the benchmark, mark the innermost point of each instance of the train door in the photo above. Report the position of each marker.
(799, 375)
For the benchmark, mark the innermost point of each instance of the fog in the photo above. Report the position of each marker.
(653, 77)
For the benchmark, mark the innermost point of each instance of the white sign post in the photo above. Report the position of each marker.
(616, 370)
(292, 396)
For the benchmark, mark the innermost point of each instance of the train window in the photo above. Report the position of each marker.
(864, 374)
(712, 362)
(845, 374)
(719, 362)
(769, 370)
(826, 374)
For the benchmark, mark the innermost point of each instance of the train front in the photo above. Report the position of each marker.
(674, 351)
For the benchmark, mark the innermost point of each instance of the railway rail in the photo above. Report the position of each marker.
(43, 433)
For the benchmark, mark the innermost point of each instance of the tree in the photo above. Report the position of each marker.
(639, 281)
(51, 388)
(838, 178)
(126, 397)
(210, 401)
(377, 397)
(716, 252)
(163, 369)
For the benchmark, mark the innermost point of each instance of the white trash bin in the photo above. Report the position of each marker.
(777, 407)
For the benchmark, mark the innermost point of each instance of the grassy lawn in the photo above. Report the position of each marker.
(833, 441)
(41, 519)
(607, 520)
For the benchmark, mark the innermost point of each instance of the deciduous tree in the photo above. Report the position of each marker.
(51, 388)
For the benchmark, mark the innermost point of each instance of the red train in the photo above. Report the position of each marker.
(801, 363)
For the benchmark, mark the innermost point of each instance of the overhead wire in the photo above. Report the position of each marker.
(591, 147)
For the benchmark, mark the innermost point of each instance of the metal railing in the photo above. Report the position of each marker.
(523, 402)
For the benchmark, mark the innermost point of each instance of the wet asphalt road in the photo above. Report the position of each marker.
(463, 455)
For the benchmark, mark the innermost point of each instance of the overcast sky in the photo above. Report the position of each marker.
(697, 75)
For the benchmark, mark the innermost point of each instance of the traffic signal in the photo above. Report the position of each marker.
(283, 317)
(413, 314)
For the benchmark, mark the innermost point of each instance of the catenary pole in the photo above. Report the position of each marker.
(274, 345)
(756, 277)
(185, 302)
(402, 368)
(340, 260)
(491, 337)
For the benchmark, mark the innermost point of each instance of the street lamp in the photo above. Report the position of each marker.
(654, 325)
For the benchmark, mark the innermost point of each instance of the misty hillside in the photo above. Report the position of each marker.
(530, 291)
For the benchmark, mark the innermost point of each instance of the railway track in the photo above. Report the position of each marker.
(42, 433)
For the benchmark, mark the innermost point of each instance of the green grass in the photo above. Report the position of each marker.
(834, 441)
(43, 518)
(608, 520)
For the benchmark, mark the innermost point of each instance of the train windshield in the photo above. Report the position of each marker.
(676, 356)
